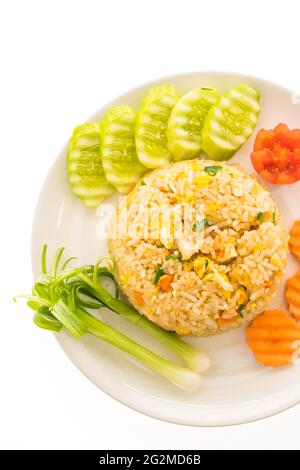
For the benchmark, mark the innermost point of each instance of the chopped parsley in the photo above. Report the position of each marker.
(178, 256)
(241, 308)
(260, 216)
(159, 272)
(212, 170)
(201, 225)
(143, 183)
(206, 264)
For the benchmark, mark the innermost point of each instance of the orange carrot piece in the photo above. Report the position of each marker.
(292, 295)
(295, 239)
(271, 337)
(138, 298)
(165, 282)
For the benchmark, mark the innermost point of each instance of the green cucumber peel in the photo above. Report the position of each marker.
(230, 122)
(186, 122)
(118, 151)
(151, 126)
(85, 169)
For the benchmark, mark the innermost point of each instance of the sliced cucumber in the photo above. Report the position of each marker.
(186, 122)
(230, 122)
(85, 168)
(120, 162)
(151, 126)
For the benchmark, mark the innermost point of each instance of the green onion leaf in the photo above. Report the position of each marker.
(212, 170)
(33, 298)
(44, 319)
(158, 274)
(57, 259)
(260, 216)
(33, 305)
(40, 290)
(273, 218)
(64, 266)
(85, 301)
(201, 225)
(241, 308)
(178, 256)
(44, 262)
(206, 264)
(143, 183)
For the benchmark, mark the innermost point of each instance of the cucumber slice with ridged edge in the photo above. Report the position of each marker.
(85, 170)
(120, 162)
(186, 122)
(230, 122)
(151, 126)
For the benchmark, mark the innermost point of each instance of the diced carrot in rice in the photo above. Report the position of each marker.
(165, 282)
(139, 298)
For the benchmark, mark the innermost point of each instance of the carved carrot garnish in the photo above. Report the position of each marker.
(292, 295)
(295, 239)
(274, 337)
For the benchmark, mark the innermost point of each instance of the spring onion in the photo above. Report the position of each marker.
(241, 308)
(260, 216)
(174, 256)
(63, 300)
(159, 272)
(201, 225)
(212, 170)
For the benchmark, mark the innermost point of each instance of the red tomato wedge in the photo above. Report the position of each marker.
(276, 154)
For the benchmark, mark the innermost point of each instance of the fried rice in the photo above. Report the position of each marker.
(222, 269)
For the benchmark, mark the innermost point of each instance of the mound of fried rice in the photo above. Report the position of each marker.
(223, 271)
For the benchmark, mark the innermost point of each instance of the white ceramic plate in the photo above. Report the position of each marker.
(236, 389)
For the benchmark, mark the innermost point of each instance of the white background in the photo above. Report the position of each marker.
(60, 61)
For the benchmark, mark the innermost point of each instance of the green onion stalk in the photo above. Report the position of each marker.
(193, 358)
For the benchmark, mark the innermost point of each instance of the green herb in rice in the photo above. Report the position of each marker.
(201, 225)
(212, 170)
(241, 308)
(174, 256)
(159, 272)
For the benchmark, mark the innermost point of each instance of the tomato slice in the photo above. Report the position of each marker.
(276, 154)
(264, 139)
